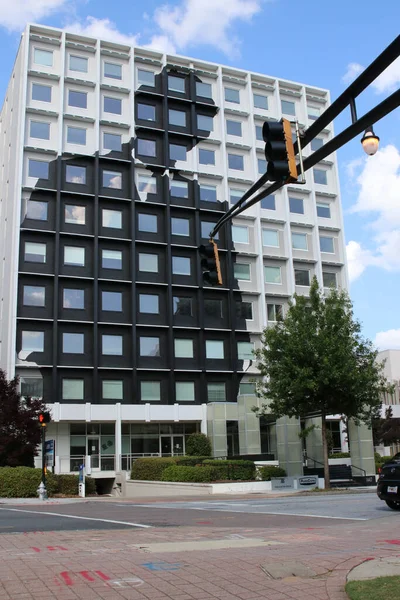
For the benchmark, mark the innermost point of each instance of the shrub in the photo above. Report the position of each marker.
(270, 471)
(23, 482)
(236, 470)
(189, 474)
(198, 444)
(150, 469)
(340, 455)
(68, 485)
(189, 461)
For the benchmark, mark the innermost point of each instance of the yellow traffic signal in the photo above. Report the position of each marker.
(279, 151)
(210, 263)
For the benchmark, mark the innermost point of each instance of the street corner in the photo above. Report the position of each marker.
(371, 568)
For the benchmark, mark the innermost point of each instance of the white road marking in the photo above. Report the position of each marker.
(51, 514)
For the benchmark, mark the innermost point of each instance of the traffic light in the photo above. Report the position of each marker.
(210, 263)
(279, 151)
(44, 418)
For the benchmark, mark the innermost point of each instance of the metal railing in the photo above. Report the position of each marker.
(127, 460)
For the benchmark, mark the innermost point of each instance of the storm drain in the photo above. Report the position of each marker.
(284, 570)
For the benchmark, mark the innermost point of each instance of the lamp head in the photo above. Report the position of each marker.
(370, 142)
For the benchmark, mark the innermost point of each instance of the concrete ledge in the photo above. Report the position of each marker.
(142, 489)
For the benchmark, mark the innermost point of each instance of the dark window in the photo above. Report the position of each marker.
(78, 99)
(203, 89)
(262, 165)
(182, 306)
(316, 143)
(176, 84)
(326, 244)
(268, 203)
(177, 152)
(147, 147)
(149, 304)
(41, 92)
(208, 193)
(296, 205)
(274, 312)
(236, 162)
(146, 112)
(177, 117)
(38, 168)
(232, 95)
(34, 295)
(329, 279)
(302, 277)
(146, 77)
(147, 223)
(75, 174)
(323, 210)
(36, 210)
(205, 122)
(112, 70)
(206, 157)
(76, 135)
(213, 308)
(244, 310)
(112, 105)
(259, 135)
(234, 128)
(320, 176)
(111, 301)
(39, 130)
(73, 298)
(112, 141)
(260, 101)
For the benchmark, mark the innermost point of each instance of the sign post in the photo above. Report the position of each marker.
(50, 446)
(82, 481)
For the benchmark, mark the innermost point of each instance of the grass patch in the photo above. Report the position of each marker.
(381, 588)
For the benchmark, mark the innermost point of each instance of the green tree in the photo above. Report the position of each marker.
(315, 361)
(386, 431)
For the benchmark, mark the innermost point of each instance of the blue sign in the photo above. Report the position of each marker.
(162, 566)
(81, 477)
(49, 446)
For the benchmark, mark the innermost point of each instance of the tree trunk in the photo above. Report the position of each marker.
(325, 451)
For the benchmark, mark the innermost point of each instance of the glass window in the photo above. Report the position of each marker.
(288, 107)
(112, 105)
(206, 157)
(146, 77)
(179, 189)
(180, 226)
(236, 162)
(240, 234)
(111, 259)
(146, 147)
(216, 392)
(146, 112)
(326, 244)
(296, 205)
(75, 174)
(323, 210)
(177, 152)
(316, 144)
(234, 127)
(245, 350)
(176, 84)
(72, 343)
(241, 271)
(203, 89)
(74, 256)
(259, 135)
(268, 203)
(112, 180)
(111, 345)
(260, 101)
(34, 295)
(32, 386)
(232, 95)
(329, 279)
(177, 117)
(149, 304)
(111, 218)
(270, 237)
(182, 306)
(36, 210)
(39, 130)
(150, 391)
(112, 141)
(262, 165)
(320, 176)
(72, 389)
(35, 252)
(184, 391)
(147, 223)
(299, 241)
(244, 310)
(274, 312)
(149, 346)
(272, 275)
(78, 63)
(313, 112)
(208, 193)
(302, 277)
(112, 390)
(180, 265)
(73, 298)
(235, 195)
(76, 135)
(76, 215)
(111, 301)
(214, 349)
(213, 308)
(43, 57)
(247, 389)
(148, 262)
(206, 228)
(78, 99)
(38, 168)
(112, 70)
(147, 184)
(205, 123)
(183, 348)
(32, 341)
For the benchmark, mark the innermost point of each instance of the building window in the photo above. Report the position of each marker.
(234, 128)
(214, 349)
(73, 343)
(274, 312)
(288, 107)
(232, 95)
(147, 184)
(273, 275)
(206, 228)
(259, 135)
(176, 84)
(111, 259)
(247, 389)
(180, 226)
(147, 223)
(302, 277)
(78, 63)
(149, 346)
(74, 256)
(149, 304)
(270, 237)
(205, 123)
(299, 241)
(73, 298)
(77, 99)
(146, 77)
(148, 263)
(76, 135)
(35, 252)
(111, 301)
(112, 180)
(320, 176)
(208, 193)
(38, 168)
(316, 144)
(75, 175)
(112, 105)
(75, 215)
(147, 147)
(326, 244)
(213, 308)
(216, 392)
(206, 157)
(260, 101)
(36, 210)
(296, 205)
(111, 345)
(240, 234)
(39, 130)
(323, 210)
(236, 162)
(329, 279)
(241, 271)
(34, 295)
(72, 389)
(203, 89)
(180, 265)
(184, 391)
(183, 348)
(235, 195)
(112, 70)
(244, 310)
(182, 306)
(32, 387)
(262, 165)
(179, 189)
(111, 218)
(146, 112)
(32, 341)
(112, 141)
(245, 350)
(177, 152)
(313, 112)
(177, 117)
(43, 57)
(112, 390)
(268, 203)
(150, 391)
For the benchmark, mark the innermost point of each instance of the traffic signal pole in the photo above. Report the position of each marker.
(44, 455)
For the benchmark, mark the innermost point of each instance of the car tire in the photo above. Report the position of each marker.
(393, 504)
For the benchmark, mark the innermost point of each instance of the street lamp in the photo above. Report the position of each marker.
(370, 141)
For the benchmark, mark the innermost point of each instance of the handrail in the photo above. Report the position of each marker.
(359, 469)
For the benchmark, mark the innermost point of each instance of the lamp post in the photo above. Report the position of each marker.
(370, 141)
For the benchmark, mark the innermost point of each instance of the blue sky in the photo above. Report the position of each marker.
(311, 41)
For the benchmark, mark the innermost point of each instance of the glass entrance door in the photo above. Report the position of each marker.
(166, 445)
(93, 449)
(177, 443)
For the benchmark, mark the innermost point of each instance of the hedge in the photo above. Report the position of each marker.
(150, 469)
(23, 482)
(269, 471)
(189, 474)
(190, 461)
(198, 444)
(236, 470)
(340, 455)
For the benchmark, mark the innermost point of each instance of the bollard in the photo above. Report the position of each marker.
(42, 492)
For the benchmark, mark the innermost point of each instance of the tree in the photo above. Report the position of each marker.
(198, 444)
(19, 425)
(386, 431)
(316, 362)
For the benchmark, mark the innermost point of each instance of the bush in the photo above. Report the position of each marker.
(340, 455)
(23, 482)
(68, 485)
(150, 469)
(236, 470)
(189, 461)
(198, 444)
(270, 471)
(381, 460)
(189, 474)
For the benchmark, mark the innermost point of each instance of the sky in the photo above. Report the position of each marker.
(320, 43)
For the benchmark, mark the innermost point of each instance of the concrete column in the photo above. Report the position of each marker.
(314, 442)
(289, 447)
(361, 449)
(249, 425)
(216, 427)
(118, 437)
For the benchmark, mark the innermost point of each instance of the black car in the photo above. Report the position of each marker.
(389, 482)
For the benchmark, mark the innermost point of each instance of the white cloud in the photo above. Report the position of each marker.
(14, 15)
(388, 81)
(103, 29)
(388, 340)
(162, 43)
(358, 259)
(353, 70)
